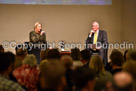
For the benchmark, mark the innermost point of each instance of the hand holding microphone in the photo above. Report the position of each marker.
(91, 32)
(41, 32)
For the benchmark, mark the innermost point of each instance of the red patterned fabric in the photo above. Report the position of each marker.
(27, 76)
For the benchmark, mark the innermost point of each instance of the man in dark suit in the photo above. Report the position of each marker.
(97, 42)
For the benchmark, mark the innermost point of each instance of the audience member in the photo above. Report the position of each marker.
(85, 57)
(84, 79)
(68, 62)
(75, 54)
(123, 81)
(102, 76)
(132, 54)
(52, 76)
(116, 61)
(130, 67)
(5, 69)
(53, 54)
(27, 74)
(20, 55)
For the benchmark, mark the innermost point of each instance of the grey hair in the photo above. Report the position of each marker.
(96, 22)
(30, 59)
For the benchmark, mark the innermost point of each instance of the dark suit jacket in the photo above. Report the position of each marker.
(37, 38)
(102, 38)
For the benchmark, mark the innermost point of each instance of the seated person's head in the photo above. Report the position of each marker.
(7, 62)
(116, 58)
(53, 54)
(20, 51)
(84, 78)
(132, 54)
(30, 60)
(67, 60)
(123, 82)
(75, 54)
(85, 56)
(130, 67)
(52, 75)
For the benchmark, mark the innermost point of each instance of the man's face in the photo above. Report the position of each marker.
(95, 26)
(39, 27)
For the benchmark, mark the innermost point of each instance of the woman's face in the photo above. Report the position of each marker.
(38, 28)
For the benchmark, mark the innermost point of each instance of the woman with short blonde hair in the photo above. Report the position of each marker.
(30, 59)
(27, 74)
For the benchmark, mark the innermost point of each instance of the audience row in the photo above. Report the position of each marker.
(79, 71)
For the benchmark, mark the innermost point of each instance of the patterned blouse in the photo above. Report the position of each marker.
(27, 76)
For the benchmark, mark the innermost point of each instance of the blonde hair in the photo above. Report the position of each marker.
(36, 24)
(30, 59)
(96, 64)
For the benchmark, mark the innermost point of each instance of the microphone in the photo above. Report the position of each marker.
(91, 32)
(40, 30)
